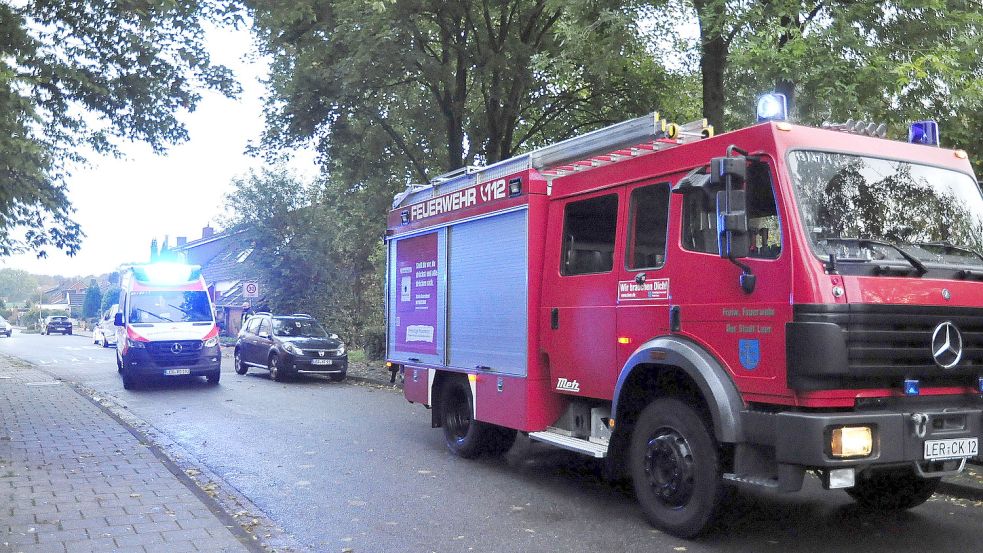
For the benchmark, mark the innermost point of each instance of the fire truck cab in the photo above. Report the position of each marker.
(702, 310)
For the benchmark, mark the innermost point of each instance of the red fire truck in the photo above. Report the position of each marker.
(703, 310)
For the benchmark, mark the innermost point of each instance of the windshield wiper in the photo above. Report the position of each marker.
(949, 247)
(152, 314)
(914, 261)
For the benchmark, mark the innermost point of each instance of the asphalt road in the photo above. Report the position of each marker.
(352, 467)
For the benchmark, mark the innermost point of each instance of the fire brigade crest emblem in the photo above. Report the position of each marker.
(750, 353)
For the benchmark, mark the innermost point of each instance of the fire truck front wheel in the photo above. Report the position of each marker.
(675, 468)
(892, 490)
(465, 436)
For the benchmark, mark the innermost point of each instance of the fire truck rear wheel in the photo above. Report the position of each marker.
(499, 440)
(465, 437)
(892, 490)
(675, 468)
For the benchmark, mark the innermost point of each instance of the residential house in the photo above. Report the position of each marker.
(225, 259)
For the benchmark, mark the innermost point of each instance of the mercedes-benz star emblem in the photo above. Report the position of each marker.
(176, 348)
(947, 345)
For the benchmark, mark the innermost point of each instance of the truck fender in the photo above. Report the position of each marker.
(715, 384)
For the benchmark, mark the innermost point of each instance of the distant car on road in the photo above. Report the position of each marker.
(5, 328)
(57, 323)
(288, 345)
(105, 331)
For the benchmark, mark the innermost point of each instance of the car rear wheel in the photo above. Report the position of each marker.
(276, 374)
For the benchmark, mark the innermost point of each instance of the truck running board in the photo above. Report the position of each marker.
(597, 451)
(753, 480)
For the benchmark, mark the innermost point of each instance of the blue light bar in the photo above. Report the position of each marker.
(912, 387)
(166, 273)
(772, 107)
(979, 384)
(924, 132)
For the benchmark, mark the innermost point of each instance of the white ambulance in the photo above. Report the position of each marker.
(165, 326)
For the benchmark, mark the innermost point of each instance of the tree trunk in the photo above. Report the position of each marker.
(713, 61)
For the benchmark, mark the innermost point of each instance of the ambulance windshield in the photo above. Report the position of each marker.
(866, 209)
(170, 307)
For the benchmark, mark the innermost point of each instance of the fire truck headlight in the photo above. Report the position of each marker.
(772, 107)
(851, 441)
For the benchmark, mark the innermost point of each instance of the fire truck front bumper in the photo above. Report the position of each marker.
(934, 442)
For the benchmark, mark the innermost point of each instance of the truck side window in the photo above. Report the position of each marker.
(589, 229)
(648, 220)
(699, 231)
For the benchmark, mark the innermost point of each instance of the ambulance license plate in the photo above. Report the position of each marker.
(174, 372)
(957, 448)
(320, 361)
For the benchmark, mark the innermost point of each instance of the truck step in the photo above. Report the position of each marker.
(598, 451)
(753, 480)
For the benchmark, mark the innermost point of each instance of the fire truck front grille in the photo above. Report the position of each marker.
(888, 343)
(180, 353)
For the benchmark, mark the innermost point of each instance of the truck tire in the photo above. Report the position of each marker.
(892, 490)
(675, 468)
(499, 440)
(465, 437)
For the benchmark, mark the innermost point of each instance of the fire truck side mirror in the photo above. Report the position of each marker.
(733, 239)
(723, 167)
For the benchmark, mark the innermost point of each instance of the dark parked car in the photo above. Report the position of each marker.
(288, 345)
(57, 323)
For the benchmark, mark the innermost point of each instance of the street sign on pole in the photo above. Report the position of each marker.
(250, 290)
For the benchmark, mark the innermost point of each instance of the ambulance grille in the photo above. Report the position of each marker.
(175, 353)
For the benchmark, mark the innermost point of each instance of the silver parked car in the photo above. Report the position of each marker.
(5, 328)
(105, 331)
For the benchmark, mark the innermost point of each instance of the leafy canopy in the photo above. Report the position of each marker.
(81, 76)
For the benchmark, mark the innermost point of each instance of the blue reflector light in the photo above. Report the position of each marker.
(924, 132)
(772, 107)
(912, 387)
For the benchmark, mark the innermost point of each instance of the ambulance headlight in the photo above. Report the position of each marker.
(772, 107)
(851, 441)
(130, 342)
(211, 342)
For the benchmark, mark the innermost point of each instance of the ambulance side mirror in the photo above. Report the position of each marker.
(732, 238)
(118, 319)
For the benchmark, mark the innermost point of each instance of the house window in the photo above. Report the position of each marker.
(243, 255)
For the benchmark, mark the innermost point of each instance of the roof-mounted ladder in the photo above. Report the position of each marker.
(618, 142)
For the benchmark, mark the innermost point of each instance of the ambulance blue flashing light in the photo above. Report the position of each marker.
(167, 273)
(912, 387)
(772, 107)
(924, 132)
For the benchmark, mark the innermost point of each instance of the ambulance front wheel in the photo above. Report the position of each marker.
(675, 468)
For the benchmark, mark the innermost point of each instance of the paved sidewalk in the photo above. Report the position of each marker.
(72, 478)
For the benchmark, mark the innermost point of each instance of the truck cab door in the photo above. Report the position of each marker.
(580, 289)
(644, 291)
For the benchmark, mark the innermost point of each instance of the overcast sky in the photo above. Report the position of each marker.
(123, 204)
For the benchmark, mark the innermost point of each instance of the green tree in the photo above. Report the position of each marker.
(17, 285)
(92, 301)
(110, 297)
(81, 76)
(451, 83)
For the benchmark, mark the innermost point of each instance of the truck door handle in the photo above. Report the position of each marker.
(554, 318)
(640, 278)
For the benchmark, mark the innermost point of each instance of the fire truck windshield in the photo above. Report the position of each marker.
(867, 209)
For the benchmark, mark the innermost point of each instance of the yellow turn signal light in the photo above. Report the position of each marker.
(852, 441)
(624, 340)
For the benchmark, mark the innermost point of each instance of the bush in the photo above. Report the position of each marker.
(375, 342)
